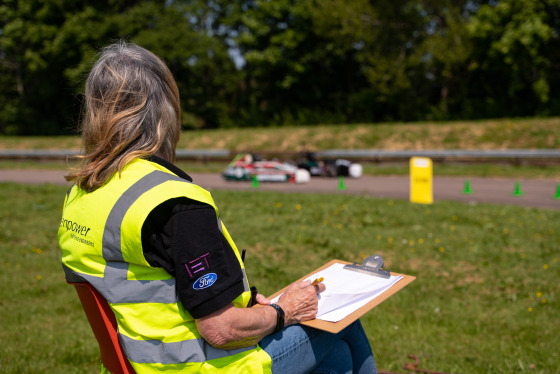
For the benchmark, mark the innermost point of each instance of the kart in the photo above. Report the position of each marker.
(249, 166)
(329, 168)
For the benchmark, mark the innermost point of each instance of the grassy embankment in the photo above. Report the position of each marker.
(486, 297)
(486, 135)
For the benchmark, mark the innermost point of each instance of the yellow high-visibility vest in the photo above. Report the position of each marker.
(101, 242)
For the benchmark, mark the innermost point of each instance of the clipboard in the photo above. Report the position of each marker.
(335, 327)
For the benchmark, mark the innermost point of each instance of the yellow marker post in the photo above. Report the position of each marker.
(421, 190)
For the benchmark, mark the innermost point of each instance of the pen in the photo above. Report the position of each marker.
(317, 281)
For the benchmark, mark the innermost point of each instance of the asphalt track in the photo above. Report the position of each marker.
(537, 193)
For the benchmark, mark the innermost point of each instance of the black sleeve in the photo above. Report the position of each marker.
(192, 248)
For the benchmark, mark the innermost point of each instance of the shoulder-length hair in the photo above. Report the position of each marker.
(131, 111)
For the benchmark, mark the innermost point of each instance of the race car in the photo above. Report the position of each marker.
(248, 167)
(330, 168)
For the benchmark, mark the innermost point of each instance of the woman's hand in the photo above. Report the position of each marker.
(300, 301)
(231, 327)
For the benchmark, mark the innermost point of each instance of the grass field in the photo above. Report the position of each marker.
(486, 297)
(532, 133)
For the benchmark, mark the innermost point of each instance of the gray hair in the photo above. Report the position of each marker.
(132, 111)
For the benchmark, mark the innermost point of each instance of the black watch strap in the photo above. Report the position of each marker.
(279, 317)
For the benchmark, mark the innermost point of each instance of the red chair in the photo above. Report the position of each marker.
(104, 325)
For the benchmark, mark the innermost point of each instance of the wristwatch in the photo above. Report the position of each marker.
(279, 317)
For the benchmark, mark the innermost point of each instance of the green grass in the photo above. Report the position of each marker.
(486, 297)
(43, 328)
(532, 133)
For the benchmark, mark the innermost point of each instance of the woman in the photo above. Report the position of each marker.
(152, 243)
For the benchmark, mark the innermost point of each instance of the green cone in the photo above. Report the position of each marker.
(517, 191)
(255, 182)
(557, 195)
(341, 185)
(467, 190)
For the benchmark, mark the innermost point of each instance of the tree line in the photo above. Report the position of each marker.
(289, 62)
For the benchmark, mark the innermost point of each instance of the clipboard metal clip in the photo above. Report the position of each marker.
(372, 265)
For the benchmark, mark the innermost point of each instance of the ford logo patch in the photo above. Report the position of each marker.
(205, 281)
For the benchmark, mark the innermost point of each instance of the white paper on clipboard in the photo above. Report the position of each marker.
(347, 291)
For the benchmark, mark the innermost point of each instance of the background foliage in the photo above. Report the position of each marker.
(263, 63)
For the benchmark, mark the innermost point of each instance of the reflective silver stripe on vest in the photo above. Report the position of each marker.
(245, 281)
(116, 288)
(220, 224)
(114, 285)
(112, 233)
(193, 350)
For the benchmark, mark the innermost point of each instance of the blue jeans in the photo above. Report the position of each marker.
(302, 349)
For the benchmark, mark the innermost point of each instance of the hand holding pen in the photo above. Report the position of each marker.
(300, 301)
